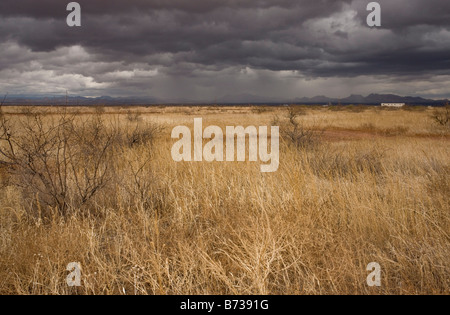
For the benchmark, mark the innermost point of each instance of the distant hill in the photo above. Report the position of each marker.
(372, 99)
(78, 100)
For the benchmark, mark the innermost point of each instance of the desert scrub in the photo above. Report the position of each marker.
(442, 116)
(140, 134)
(160, 227)
(61, 162)
(294, 133)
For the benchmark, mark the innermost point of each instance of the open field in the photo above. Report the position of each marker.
(355, 185)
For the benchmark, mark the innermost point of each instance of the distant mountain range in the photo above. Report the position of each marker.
(372, 99)
(77, 100)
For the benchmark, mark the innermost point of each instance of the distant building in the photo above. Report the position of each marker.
(393, 104)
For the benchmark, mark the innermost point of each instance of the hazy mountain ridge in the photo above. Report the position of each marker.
(78, 100)
(372, 99)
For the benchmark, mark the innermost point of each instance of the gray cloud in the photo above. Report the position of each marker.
(201, 49)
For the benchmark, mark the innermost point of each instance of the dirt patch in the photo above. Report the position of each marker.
(347, 135)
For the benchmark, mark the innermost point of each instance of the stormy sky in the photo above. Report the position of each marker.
(203, 50)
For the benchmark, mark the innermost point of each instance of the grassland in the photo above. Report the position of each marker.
(369, 185)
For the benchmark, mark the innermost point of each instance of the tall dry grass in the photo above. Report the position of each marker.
(358, 195)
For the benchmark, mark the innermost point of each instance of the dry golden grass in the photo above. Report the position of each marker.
(374, 188)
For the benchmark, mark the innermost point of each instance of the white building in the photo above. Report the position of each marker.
(393, 104)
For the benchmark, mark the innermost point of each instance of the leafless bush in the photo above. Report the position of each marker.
(296, 134)
(138, 180)
(99, 109)
(134, 116)
(297, 110)
(27, 110)
(60, 162)
(261, 109)
(141, 134)
(442, 117)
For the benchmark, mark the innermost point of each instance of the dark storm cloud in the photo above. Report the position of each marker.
(401, 14)
(138, 25)
(136, 45)
(52, 8)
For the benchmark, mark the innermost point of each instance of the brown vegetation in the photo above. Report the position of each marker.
(353, 187)
(442, 117)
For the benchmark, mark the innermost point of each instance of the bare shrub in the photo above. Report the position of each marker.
(442, 117)
(99, 109)
(60, 162)
(160, 227)
(261, 109)
(138, 180)
(27, 110)
(295, 133)
(276, 121)
(297, 111)
(134, 116)
(141, 134)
